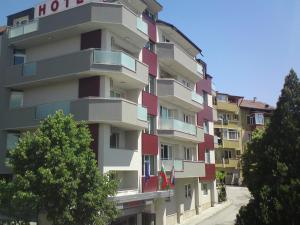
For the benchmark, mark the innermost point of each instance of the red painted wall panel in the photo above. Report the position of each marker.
(89, 86)
(201, 151)
(150, 58)
(210, 172)
(205, 114)
(151, 185)
(149, 144)
(150, 102)
(209, 141)
(151, 28)
(203, 85)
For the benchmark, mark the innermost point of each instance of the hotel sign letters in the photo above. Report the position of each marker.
(54, 6)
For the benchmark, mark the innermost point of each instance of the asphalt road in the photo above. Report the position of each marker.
(239, 196)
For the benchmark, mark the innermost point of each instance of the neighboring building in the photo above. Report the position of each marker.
(237, 119)
(228, 134)
(137, 83)
(254, 115)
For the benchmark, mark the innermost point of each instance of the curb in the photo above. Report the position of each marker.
(201, 217)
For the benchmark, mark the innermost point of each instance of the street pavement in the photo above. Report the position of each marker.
(238, 196)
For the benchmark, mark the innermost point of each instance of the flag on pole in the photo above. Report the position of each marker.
(147, 170)
(172, 177)
(163, 175)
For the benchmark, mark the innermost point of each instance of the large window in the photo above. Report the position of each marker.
(207, 156)
(222, 98)
(188, 191)
(150, 88)
(188, 118)
(151, 160)
(114, 140)
(166, 152)
(259, 118)
(151, 124)
(166, 113)
(204, 189)
(19, 56)
(150, 45)
(230, 134)
(206, 126)
(16, 99)
(188, 155)
(12, 140)
(227, 154)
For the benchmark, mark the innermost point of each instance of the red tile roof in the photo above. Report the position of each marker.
(255, 105)
(2, 30)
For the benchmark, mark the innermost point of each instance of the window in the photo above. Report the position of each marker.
(235, 117)
(165, 113)
(12, 140)
(187, 118)
(114, 140)
(151, 124)
(207, 156)
(238, 152)
(20, 21)
(151, 15)
(164, 39)
(227, 154)
(206, 126)
(151, 160)
(19, 56)
(150, 88)
(259, 118)
(187, 153)
(188, 191)
(222, 98)
(250, 119)
(166, 152)
(16, 99)
(232, 134)
(150, 46)
(115, 94)
(205, 98)
(204, 189)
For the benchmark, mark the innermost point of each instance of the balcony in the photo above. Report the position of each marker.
(23, 29)
(228, 163)
(121, 67)
(179, 130)
(116, 18)
(185, 169)
(175, 61)
(176, 93)
(117, 112)
(228, 107)
(230, 144)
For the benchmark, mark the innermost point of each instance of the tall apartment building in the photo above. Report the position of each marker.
(227, 132)
(137, 83)
(237, 119)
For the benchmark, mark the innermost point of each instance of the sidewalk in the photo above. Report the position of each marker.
(195, 220)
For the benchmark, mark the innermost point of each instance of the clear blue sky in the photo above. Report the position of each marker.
(249, 46)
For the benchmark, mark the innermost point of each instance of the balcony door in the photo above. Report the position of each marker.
(91, 39)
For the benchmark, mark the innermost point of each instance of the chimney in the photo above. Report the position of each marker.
(254, 99)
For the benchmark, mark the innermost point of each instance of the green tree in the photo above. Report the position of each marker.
(272, 164)
(221, 186)
(56, 174)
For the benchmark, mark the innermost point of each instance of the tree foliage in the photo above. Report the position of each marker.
(221, 186)
(56, 174)
(271, 164)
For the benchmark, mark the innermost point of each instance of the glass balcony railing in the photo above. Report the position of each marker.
(142, 113)
(141, 25)
(173, 124)
(177, 163)
(23, 29)
(29, 69)
(42, 111)
(114, 58)
(199, 68)
(197, 98)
